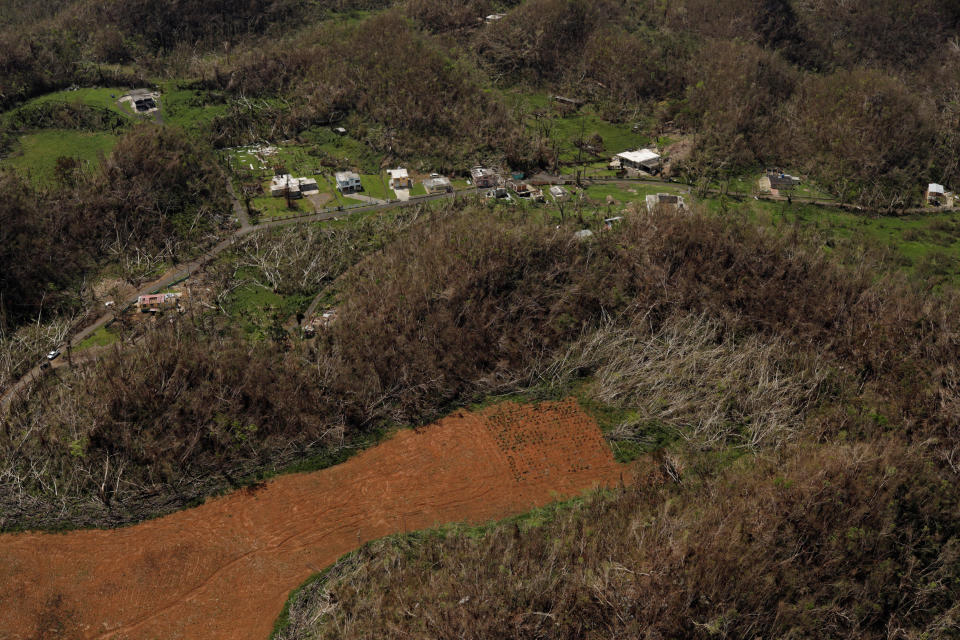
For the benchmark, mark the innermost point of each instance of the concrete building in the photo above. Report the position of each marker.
(399, 179)
(297, 187)
(438, 185)
(665, 200)
(559, 193)
(348, 182)
(484, 178)
(641, 160)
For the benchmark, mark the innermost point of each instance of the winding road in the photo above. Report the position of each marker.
(187, 269)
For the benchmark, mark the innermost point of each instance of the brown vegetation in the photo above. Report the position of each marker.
(155, 198)
(468, 304)
(848, 541)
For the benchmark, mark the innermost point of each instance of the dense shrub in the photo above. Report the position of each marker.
(157, 193)
(844, 541)
(467, 304)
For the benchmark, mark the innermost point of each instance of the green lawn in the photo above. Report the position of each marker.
(256, 308)
(36, 154)
(100, 338)
(927, 245)
(633, 193)
(271, 207)
(186, 107)
(98, 97)
(375, 186)
(418, 189)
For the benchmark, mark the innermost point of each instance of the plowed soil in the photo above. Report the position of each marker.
(224, 569)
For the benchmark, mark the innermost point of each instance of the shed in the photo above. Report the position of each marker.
(936, 193)
(559, 193)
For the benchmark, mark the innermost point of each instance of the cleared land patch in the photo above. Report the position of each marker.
(224, 569)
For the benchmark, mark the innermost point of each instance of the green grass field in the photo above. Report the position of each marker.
(256, 308)
(186, 107)
(36, 154)
(925, 245)
(100, 338)
(375, 186)
(105, 97)
(271, 207)
(629, 193)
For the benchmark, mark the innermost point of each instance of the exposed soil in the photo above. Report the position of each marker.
(224, 569)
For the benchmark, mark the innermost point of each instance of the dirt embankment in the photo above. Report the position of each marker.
(224, 570)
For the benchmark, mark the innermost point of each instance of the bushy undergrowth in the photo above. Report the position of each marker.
(844, 541)
(469, 303)
(154, 199)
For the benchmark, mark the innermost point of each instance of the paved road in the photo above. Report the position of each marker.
(183, 271)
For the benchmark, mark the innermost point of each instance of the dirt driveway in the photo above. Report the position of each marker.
(224, 569)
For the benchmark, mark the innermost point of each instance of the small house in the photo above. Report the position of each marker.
(400, 179)
(438, 185)
(774, 182)
(155, 302)
(484, 178)
(666, 201)
(559, 193)
(494, 17)
(936, 194)
(308, 186)
(640, 160)
(340, 131)
(348, 182)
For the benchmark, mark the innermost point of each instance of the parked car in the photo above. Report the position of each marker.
(53, 354)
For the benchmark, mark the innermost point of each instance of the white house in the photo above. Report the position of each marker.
(665, 200)
(559, 193)
(640, 160)
(399, 179)
(348, 182)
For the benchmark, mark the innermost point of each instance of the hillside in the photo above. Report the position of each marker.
(244, 241)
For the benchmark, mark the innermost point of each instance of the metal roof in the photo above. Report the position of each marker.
(639, 156)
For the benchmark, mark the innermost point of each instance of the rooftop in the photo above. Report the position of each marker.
(639, 156)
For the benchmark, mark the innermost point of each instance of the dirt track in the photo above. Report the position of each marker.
(224, 570)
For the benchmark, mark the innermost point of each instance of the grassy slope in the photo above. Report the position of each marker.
(37, 152)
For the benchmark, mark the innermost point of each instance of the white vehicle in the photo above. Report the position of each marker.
(53, 354)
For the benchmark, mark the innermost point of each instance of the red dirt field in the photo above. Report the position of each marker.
(224, 569)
